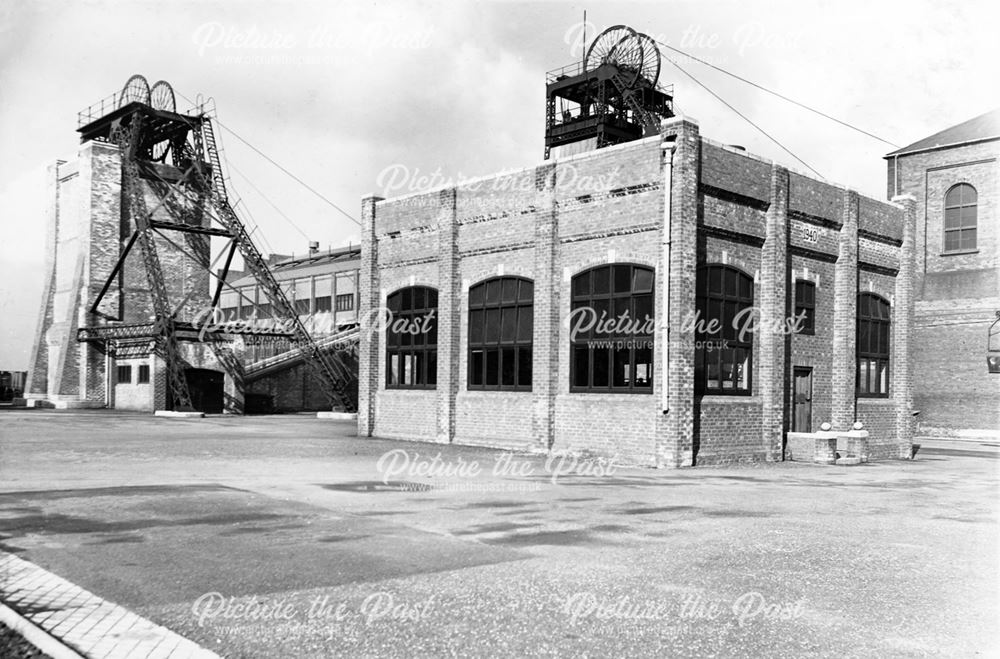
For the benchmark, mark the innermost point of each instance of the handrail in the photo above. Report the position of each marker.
(97, 110)
(348, 336)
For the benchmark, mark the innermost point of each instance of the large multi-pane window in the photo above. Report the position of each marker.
(960, 218)
(411, 339)
(322, 289)
(723, 336)
(501, 320)
(611, 330)
(874, 324)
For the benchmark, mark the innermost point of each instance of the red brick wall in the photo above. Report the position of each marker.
(539, 223)
(957, 295)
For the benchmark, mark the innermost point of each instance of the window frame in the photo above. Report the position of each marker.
(401, 308)
(960, 229)
(478, 302)
(123, 368)
(808, 327)
(595, 298)
(880, 357)
(704, 296)
(142, 377)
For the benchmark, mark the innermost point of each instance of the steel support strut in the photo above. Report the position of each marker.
(329, 373)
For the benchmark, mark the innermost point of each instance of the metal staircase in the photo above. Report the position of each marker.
(326, 368)
(346, 340)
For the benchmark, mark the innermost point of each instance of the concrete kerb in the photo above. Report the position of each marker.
(338, 416)
(35, 635)
(79, 619)
(179, 415)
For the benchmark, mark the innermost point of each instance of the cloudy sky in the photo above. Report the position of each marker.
(351, 96)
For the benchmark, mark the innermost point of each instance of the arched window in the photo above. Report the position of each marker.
(411, 339)
(501, 322)
(611, 330)
(723, 333)
(960, 218)
(873, 345)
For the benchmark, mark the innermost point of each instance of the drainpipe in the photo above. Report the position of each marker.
(668, 148)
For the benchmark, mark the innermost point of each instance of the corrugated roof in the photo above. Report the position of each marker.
(334, 255)
(983, 127)
(297, 265)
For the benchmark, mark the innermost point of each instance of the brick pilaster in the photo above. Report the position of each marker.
(103, 247)
(368, 315)
(845, 306)
(545, 356)
(771, 372)
(902, 324)
(675, 428)
(449, 315)
(38, 366)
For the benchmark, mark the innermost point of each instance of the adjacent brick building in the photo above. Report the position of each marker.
(486, 281)
(323, 288)
(954, 177)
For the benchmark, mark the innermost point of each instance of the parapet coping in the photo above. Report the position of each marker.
(654, 139)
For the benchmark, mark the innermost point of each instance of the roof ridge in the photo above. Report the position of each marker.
(985, 126)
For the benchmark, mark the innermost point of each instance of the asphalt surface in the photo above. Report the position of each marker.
(281, 536)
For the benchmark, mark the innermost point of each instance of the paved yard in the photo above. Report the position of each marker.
(288, 536)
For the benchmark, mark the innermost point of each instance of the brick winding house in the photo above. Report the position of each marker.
(492, 284)
(954, 177)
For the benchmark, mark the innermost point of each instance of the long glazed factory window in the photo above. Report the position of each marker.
(411, 338)
(723, 340)
(611, 330)
(874, 324)
(501, 321)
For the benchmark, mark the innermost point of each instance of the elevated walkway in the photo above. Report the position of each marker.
(343, 341)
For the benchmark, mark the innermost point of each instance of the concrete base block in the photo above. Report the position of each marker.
(179, 415)
(77, 405)
(848, 461)
(818, 447)
(338, 416)
(61, 402)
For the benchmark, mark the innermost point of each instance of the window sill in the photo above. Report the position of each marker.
(394, 388)
(613, 392)
(959, 252)
(727, 398)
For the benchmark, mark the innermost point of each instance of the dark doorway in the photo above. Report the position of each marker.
(802, 397)
(207, 389)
